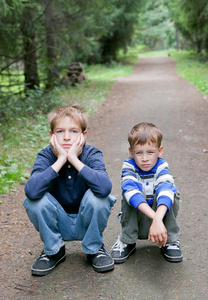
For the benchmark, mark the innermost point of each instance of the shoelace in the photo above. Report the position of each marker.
(119, 246)
(101, 252)
(173, 246)
(43, 256)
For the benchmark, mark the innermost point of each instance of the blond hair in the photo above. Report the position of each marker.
(144, 133)
(76, 112)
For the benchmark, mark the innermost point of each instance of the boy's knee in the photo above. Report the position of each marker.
(95, 203)
(37, 206)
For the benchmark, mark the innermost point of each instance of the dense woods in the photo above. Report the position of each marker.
(40, 38)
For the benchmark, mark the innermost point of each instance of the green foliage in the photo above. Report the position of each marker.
(20, 139)
(156, 29)
(120, 36)
(33, 33)
(190, 66)
(131, 56)
(11, 7)
(36, 102)
(191, 20)
(104, 72)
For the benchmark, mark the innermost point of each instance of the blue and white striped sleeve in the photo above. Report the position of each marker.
(165, 188)
(131, 187)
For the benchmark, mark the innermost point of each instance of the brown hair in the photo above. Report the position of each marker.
(76, 112)
(144, 133)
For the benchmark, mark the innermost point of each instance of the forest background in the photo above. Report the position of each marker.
(39, 39)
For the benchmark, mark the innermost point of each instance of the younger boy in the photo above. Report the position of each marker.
(68, 194)
(150, 199)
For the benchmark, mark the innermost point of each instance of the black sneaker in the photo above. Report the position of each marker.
(101, 261)
(46, 263)
(172, 252)
(121, 251)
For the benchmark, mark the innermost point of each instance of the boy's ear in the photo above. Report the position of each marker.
(51, 133)
(160, 151)
(130, 152)
(85, 135)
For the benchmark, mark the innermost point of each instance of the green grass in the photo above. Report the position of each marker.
(190, 67)
(27, 131)
(106, 72)
(23, 139)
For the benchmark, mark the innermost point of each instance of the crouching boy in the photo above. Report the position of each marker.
(68, 194)
(150, 199)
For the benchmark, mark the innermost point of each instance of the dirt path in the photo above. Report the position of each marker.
(152, 93)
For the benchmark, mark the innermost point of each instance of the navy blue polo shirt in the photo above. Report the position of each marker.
(68, 186)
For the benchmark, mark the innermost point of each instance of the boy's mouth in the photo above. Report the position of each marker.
(145, 165)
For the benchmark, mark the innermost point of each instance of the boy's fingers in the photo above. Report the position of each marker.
(152, 239)
(81, 139)
(78, 141)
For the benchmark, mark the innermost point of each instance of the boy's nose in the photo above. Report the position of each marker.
(144, 156)
(66, 136)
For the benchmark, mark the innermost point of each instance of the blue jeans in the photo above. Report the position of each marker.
(55, 225)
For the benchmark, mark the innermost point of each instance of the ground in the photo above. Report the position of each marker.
(154, 93)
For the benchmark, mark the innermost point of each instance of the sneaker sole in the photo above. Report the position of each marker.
(47, 271)
(103, 269)
(122, 260)
(173, 259)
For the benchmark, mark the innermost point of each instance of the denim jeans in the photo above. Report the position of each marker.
(135, 225)
(55, 225)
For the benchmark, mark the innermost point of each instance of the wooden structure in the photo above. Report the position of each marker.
(75, 73)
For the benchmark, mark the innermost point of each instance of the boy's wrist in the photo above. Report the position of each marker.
(76, 162)
(62, 158)
(160, 212)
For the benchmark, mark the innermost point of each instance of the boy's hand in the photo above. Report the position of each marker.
(57, 149)
(158, 232)
(76, 149)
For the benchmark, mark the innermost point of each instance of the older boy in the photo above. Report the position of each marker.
(68, 194)
(150, 200)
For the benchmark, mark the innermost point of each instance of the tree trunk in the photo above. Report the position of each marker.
(199, 45)
(177, 38)
(30, 60)
(206, 46)
(53, 73)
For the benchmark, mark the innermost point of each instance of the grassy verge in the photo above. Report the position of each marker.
(191, 67)
(26, 130)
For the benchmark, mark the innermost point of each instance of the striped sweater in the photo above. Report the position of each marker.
(140, 186)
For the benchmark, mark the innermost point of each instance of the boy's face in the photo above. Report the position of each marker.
(146, 155)
(67, 131)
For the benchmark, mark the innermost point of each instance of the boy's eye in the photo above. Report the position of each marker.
(59, 131)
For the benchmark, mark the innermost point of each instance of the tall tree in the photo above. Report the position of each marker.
(52, 67)
(191, 18)
(29, 46)
(121, 32)
(155, 29)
